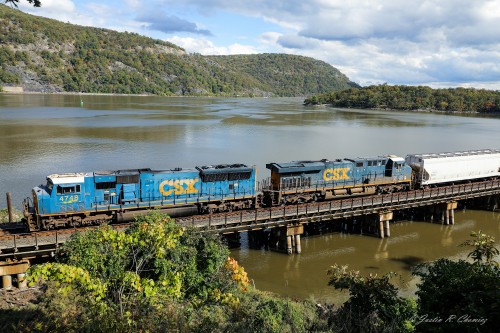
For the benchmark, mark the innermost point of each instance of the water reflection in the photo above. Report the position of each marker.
(45, 134)
(412, 243)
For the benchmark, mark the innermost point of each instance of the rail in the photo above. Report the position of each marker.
(45, 243)
(279, 216)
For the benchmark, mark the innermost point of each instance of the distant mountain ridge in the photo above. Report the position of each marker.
(45, 55)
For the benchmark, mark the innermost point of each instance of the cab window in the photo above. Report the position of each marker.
(66, 189)
(49, 186)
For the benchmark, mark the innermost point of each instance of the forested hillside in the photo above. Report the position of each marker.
(289, 75)
(412, 98)
(44, 55)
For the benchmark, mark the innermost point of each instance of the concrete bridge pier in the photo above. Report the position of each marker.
(448, 212)
(10, 268)
(384, 227)
(287, 239)
(293, 238)
(7, 282)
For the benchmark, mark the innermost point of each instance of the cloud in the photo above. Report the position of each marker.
(460, 21)
(63, 10)
(53, 5)
(206, 47)
(296, 42)
(416, 42)
(170, 24)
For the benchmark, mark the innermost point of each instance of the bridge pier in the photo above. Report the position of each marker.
(257, 238)
(293, 238)
(448, 213)
(287, 239)
(10, 268)
(444, 212)
(298, 247)
(232, 239)
(384, 227)
(7, 282)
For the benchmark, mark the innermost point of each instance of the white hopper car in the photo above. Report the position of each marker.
(432, 169)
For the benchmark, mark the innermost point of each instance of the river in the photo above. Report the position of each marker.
(45, 134)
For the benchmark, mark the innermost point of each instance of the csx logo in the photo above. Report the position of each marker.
(179, 186)
(336, 174)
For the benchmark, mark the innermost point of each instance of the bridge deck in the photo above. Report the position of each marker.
(45, 243)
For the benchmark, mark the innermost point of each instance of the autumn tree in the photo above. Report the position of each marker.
(35, 3)
(127, 281)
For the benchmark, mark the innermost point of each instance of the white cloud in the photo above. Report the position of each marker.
(66, 6)
(59, 8)
(206, 47)
(269, 38)
(373, 41)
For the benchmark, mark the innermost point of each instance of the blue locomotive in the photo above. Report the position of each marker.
(78, 199)
(304, 181)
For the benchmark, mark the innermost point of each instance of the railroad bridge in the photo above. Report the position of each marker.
(286, 223)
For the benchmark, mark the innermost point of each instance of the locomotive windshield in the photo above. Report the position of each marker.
(49, 186)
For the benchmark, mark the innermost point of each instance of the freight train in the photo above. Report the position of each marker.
(78, 199)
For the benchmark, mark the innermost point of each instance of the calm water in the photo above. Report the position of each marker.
(44, 134)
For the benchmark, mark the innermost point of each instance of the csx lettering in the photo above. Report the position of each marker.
(336, 174)
(167, 187)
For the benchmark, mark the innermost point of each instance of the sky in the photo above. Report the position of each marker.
(439, 43)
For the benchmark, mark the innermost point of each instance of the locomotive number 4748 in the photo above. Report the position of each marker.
(68, 199)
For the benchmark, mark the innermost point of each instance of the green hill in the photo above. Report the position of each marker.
(44, 55)
(412, 98)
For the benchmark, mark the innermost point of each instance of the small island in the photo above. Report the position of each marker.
(412, 98)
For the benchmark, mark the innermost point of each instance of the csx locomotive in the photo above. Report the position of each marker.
(77, 199)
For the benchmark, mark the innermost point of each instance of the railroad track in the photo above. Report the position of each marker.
(17, 243)
(12, 228)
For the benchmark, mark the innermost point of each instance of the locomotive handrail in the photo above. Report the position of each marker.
(376, 202)
(15, 244)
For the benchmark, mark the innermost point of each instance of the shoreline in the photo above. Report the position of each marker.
(73, 93)
(477, 113)
(68, 93)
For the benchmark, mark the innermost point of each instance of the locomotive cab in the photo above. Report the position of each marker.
(62, 194)
(397, 169)
(66, 194)
(294, 181)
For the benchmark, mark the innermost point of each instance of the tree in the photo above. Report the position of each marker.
(484, 248)
(373, 306)
(459, 296)
(121, 278)
(35, 3)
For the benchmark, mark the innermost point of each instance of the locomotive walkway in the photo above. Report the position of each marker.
(44, 243)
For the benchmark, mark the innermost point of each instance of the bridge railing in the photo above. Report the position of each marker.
(372, 203)
(16, 243)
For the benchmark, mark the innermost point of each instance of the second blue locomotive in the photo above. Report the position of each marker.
(304, 181)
